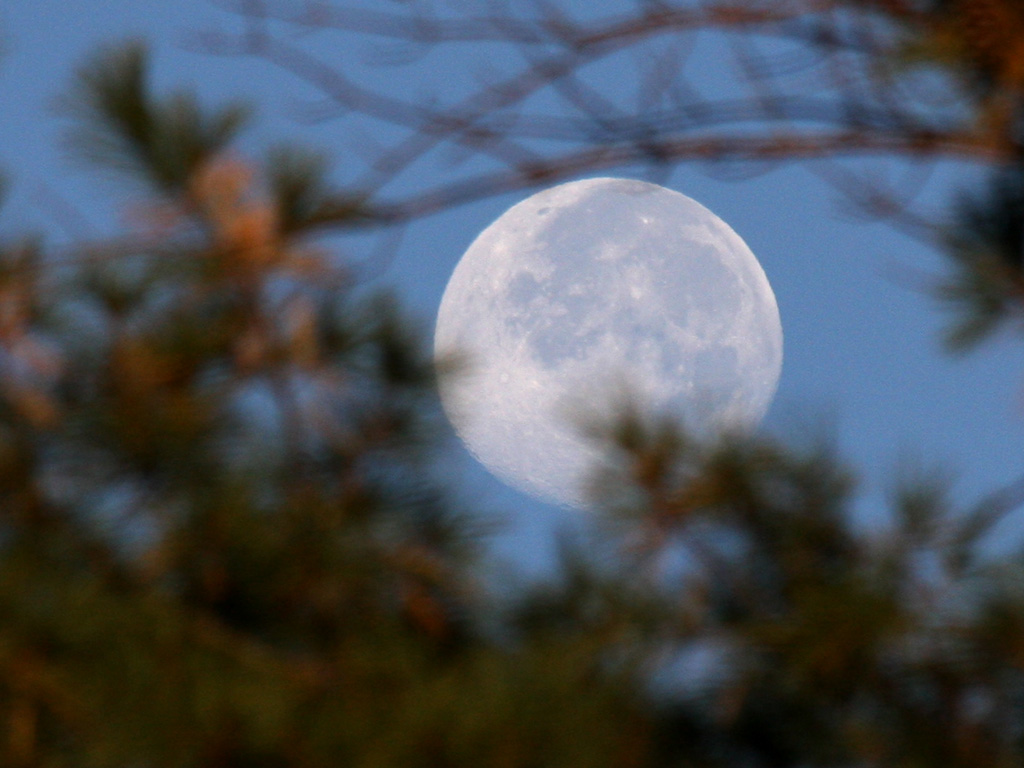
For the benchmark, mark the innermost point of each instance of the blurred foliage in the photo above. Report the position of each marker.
(976, 40)
(882, 99)
(121, 126)
(228, 537)
(980, 44)
(986, 244)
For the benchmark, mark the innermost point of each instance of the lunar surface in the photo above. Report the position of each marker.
(584, 289)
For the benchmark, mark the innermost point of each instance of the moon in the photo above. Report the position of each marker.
(587, 286)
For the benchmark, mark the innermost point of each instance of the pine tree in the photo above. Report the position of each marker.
(227, 536)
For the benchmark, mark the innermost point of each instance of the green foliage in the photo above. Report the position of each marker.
(303, 198)
(833, 647)
(121, 126)
(986, 245)
(227, 536)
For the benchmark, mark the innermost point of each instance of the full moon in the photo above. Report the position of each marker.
(589, 286)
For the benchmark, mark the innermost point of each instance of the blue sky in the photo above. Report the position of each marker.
(861, 347)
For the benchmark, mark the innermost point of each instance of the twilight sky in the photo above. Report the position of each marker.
(861, 346)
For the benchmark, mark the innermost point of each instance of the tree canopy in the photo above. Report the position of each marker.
(229, 537)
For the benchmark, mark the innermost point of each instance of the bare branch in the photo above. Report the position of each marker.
(719, 149)
(817, 79)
